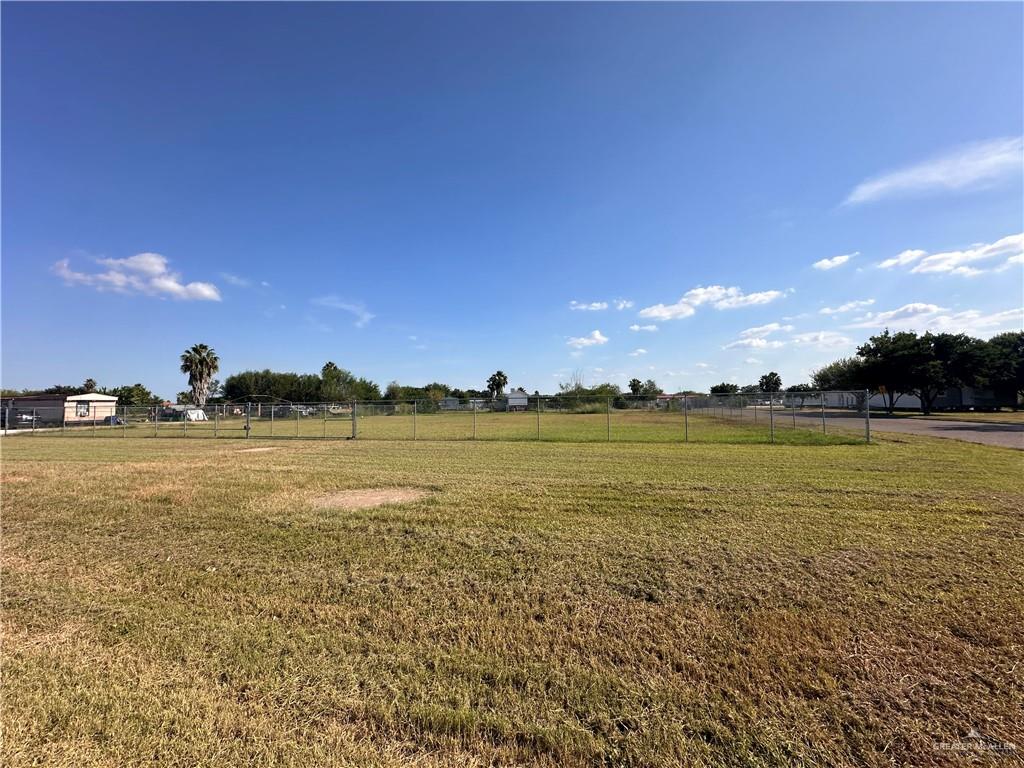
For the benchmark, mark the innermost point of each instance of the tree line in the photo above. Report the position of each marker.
(926, 365)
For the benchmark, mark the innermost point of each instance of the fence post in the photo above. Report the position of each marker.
(324, 407)
(608, 417)
(771, 416)
(34, 421)
(184, 423)
(538, 417)
(686, 420)
(355, 405)
(473, 403)
(7, 419)
(216, 421)
(272, 409)
(867, 415)
(92, 408)
(413, 419)
(248, 420)
(124, 423)
(821, 396)
(156, 421)
(792, 404)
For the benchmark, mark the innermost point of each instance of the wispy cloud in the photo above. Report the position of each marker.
(822, 340)
(964, 262)
(965, 167)
(235, 280)
(590, 340)
(760, 331)
(835, 261)
(638, 352)
(593, 306)
(143, 273)
(756, 342)
(621, 304)
(362, 315)
(649, 328)
(847, 307)
(718, 296)
(921, 317)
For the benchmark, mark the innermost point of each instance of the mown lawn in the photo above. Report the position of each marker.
(184, 603)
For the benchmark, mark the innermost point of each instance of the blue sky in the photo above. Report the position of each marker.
(432, 192)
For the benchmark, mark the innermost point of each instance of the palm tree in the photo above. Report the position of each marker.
(635, 386)
(496, 383)
(200, 362)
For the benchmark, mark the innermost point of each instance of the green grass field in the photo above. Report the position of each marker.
(181, 602)
(618, 426)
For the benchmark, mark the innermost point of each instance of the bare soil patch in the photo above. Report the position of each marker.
(364, 498)
(258, 450)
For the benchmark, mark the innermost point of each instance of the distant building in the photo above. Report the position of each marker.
(55, 410)
(449, 403)
(517, 400)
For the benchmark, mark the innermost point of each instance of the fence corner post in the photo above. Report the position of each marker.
(355, 428)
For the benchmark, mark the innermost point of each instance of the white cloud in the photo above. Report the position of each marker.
(760, 331)
(902, 259)
(637, 352)
(594, 306)
(621, 304)
(955, 262)
(908, 312)
(145, 273)
(835, 261)
(703, 365)
(362, 315)
(752, 361)
(668, 311)
(965, 167)
(636, 327)
(847, 307)
(718, 296)
(754, 343)
(931, 317)
(590, 340)
(822, 340)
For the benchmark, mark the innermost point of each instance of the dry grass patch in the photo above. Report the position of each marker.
(258, 450)
(365, 498)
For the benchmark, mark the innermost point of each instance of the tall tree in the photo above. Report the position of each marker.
(89, 386)
(770, 382)
(725, 388)
(635, 386)
(496, 383)
(889, 362)
(200, 362)
(1002, 367)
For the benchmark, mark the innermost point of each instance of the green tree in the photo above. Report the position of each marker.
(1002, 365)
(800, 392)
(200, 362)
(88, 386)
(847, 373)
(725, 388)
(134, 394)
(496, 383)
(650, 388)
(890, 362)
(770, 382)
(635, 386)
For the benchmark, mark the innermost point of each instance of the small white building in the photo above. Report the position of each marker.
(517, 400)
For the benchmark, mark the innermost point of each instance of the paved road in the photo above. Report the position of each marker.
(1005, 435)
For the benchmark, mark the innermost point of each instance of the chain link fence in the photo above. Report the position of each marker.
(781, 417)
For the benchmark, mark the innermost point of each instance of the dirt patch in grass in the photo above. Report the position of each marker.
(258, 450)
(15, 479)
(364, 498)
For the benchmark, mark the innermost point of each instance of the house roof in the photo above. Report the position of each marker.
(90, 397)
